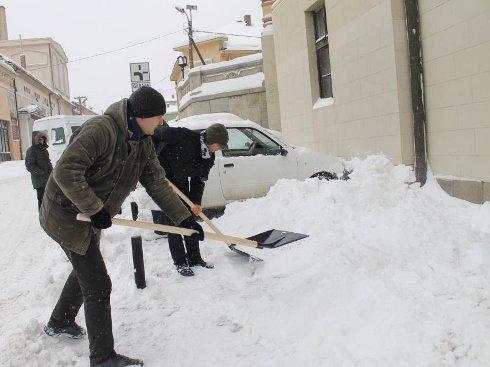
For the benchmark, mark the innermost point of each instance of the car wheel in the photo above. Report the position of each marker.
(325, 176)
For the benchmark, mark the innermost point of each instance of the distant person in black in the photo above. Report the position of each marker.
(39, 165)
(187, 157)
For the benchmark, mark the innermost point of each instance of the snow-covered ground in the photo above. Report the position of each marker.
(391, 275)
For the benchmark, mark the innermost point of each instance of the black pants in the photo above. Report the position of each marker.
(176, 242)
(88, 283)
(160, 218)
(40, 194)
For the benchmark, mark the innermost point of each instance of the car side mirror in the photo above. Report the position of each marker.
(283, 152)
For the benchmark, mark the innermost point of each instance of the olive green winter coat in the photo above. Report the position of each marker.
(98, 169)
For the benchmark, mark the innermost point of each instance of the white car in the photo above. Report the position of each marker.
(255, 160)
(59, 129)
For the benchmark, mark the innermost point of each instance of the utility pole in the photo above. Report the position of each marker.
(81, 101)
(189, 31)
(191, 52)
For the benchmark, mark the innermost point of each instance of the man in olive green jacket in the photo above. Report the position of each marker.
(102, 164)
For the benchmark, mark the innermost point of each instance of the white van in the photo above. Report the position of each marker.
(59, 129)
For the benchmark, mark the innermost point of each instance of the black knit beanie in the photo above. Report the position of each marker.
(147, 102)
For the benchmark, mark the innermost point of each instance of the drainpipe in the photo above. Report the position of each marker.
(417, 85)
(16, 103)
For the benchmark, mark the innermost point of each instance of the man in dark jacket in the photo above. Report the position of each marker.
(104, 161)
(187, 157)
(39, 165)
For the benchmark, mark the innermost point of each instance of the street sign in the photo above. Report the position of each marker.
(140, 75)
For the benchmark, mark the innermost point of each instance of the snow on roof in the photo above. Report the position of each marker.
(30, 108)
(200, 122)
(234, 35)
(68, 118)
(6, 65)
(16, 67)
(224, 86)
(238, 61)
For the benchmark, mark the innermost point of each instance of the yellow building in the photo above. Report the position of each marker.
(225, 44)
(9, 127)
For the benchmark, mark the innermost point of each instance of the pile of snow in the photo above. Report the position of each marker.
(391, 275)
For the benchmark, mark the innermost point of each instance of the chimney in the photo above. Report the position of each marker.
(248, 20)
(3, 24)
(23, 61)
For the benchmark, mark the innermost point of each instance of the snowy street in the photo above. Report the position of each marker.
(391, 275)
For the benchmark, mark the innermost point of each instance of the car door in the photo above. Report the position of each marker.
(252, 164)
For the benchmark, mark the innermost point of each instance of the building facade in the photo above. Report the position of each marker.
(346, 89)
(233, 78)
(33, 84)
(42, 57)
(235, 86)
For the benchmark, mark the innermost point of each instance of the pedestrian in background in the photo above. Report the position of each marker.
(39, 165)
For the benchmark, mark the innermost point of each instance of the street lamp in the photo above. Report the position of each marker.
(182, 62)
(189, 23)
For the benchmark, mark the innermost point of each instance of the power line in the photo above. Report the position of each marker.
(161, 80)
(110, 51)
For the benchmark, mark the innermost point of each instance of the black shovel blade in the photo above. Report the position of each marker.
(276, 238)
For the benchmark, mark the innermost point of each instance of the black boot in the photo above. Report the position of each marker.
(184, 269)
(72, 331)
(196, 259)
(118, 360)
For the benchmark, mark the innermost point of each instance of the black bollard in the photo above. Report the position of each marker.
(138, 262)
(137, 247)
(134, 210)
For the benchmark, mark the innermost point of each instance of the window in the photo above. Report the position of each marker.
(250, 142)
(58, 136)
(37, 97)
(27, 90)
(322, 53)
(74, 129)
(4, 142)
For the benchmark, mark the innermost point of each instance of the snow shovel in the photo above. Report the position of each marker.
(269, 239)
(204, 217)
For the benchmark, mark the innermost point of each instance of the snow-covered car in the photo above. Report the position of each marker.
(256, 159)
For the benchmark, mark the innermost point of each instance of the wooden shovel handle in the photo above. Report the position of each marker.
(191, 204)
(176, 230)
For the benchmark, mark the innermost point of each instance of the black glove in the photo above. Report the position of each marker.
(101, 220)
(190, 223)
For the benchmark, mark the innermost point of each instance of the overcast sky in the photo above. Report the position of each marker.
(89, 27)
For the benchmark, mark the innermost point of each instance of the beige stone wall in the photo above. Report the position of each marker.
(456, 51)
(369, 62)
(271, 87)
(251, 106)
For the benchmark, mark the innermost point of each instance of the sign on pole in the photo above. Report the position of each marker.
(140, 75)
